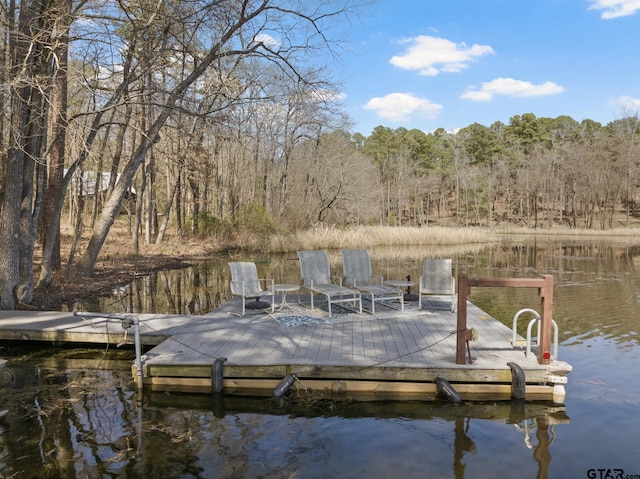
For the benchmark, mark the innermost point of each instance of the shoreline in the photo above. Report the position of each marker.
(114, 269)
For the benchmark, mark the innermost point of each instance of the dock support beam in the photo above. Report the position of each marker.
(461, 323)
(545, 291)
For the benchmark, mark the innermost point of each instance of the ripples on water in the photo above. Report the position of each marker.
(72, 415)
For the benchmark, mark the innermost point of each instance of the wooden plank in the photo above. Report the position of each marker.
(410, 342)
(315, 341)
(344, 347)
(452, 375)
(507, 282)
(335, 348)
(359, 353)
(61, 326)
(403, 341)
(369, 349)
(347, 387)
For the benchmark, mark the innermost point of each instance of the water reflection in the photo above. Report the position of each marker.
(529, 419)
(64, 423)
(90, 423)
(194, 290)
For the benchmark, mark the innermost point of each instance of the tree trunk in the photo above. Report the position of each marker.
(55, 192)
(10, 231)
(167, 212)
(18, 208)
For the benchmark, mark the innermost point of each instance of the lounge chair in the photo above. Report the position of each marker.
(316, 277)
(356, 265)
(437, 278)
(246, 284)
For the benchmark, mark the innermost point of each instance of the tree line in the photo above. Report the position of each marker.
(207, 118)
(534, 172)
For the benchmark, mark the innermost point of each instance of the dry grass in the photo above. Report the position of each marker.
(326, 237)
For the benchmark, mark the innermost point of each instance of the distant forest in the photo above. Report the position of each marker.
(534, 172)
(208, 118)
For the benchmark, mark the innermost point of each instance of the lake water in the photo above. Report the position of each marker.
(73, 412)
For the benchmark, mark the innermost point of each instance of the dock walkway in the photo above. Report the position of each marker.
(60, 326)
(389, 355)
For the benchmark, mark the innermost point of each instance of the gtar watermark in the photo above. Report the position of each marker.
(612, 473)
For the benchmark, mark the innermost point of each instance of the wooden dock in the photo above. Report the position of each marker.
(389, 355)
(59, 326)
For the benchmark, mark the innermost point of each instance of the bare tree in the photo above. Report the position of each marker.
(161, 59)
(54, 190)
(241, 31)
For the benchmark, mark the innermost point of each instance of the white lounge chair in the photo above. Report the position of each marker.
(356, 265)
(437, 278)
(316, 277)
(246, 284)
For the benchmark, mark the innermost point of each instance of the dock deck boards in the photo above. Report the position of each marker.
(410, 339)
(387, 354)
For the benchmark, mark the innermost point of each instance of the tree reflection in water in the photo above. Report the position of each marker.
(76, 422)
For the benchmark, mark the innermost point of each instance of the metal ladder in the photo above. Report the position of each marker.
(530, 327)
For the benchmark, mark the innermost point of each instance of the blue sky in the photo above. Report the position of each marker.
(449, 63)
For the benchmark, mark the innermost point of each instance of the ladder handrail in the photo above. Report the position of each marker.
(515, 323)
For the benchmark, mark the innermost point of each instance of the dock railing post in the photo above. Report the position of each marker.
(546, 298)
(461, 323)
(127, 321)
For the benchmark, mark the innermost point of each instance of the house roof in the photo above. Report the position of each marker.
(87, 186)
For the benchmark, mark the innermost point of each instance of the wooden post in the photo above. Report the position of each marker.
(461, 323)
(546, 298)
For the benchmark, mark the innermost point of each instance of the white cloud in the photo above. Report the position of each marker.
(267, 40)
(401, 107)
(615, 8)
(511, 87)
(627, 103)
(432, 55)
